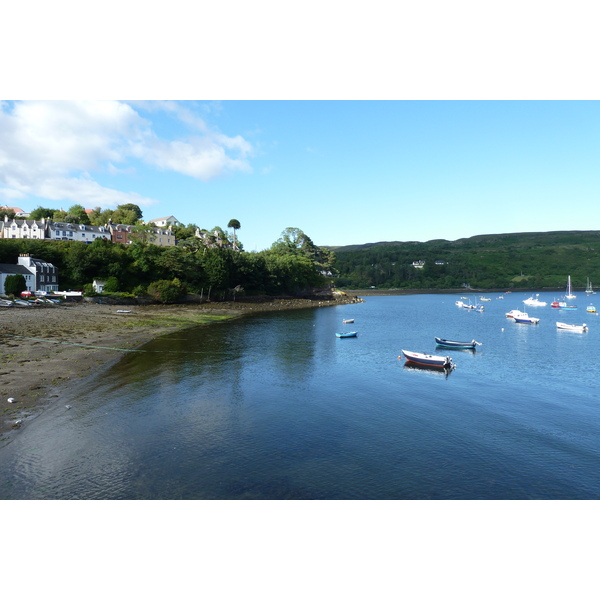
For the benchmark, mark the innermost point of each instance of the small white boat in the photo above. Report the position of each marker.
(531, 301)
(123, 311)
(579, 328)
(484, 299)
(428, 360)
(343, 320)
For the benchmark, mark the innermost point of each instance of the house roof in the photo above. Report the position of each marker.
(13, 208)
(14, 270)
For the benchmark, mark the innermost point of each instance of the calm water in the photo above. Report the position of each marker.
(275, 406)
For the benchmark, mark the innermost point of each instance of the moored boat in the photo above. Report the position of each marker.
(455, 344)
(525, 318)
(531, 301)
(558, 304)
(566, 326)
(347, 334)
(344, 321)
(428, 360)
(512, 314)
(588, 288)
(570, 295)
(591, 308)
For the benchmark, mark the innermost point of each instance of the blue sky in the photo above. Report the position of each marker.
(345, 172)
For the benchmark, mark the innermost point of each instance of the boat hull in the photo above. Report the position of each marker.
(454, 344)
(347, 335)
(566, 327)
(428, 360)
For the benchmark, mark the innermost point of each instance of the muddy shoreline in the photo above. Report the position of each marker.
(45, 349)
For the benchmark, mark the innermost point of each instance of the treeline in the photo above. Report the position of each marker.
(518, 260)
(291, 266)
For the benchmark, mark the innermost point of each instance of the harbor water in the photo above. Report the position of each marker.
(275, 406)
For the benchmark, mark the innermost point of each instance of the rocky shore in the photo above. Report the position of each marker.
(44, 348)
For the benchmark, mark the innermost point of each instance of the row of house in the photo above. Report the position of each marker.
(39, 275)
(47, 229)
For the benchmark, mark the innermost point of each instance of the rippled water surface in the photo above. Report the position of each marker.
(274, 406)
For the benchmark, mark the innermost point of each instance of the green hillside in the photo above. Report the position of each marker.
(512, 260)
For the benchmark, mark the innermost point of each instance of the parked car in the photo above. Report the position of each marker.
(26, 294)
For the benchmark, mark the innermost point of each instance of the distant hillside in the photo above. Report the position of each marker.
(508, 260)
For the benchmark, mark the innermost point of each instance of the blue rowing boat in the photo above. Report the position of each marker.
(347, 334)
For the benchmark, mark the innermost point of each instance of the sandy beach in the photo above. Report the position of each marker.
(45, 348)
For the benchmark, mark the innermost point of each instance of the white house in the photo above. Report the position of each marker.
(23, 229)
(98, 285)
(77, 233)
(164, 221)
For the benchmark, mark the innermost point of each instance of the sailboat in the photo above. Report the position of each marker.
(569, 293)
(588, 287)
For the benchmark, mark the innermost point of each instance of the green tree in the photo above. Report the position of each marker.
(39, 213)
(186, 232)
(111, 285)
(14, 284)
(235, 225)
(8, 213)
(133, 208)
(77, 214)
(124, 216)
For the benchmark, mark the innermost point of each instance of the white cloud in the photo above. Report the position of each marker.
(49, 149)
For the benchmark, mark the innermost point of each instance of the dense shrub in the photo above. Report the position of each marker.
(166, 292)
(15, 284)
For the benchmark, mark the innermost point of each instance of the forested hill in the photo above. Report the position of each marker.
(511, 260)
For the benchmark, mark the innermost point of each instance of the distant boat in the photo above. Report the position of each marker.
(347, 334)
(513, 314)
(558, 304)
(347, 321)
(591, 308)
(570, 295)
(531, 301)
(428, 360)
(525, 318)
(588, 287)
(454, 344)
(484, 299)
(579, 328)
(569, 307)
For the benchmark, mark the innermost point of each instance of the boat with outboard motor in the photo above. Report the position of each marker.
(443, 343)
(428, 360)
